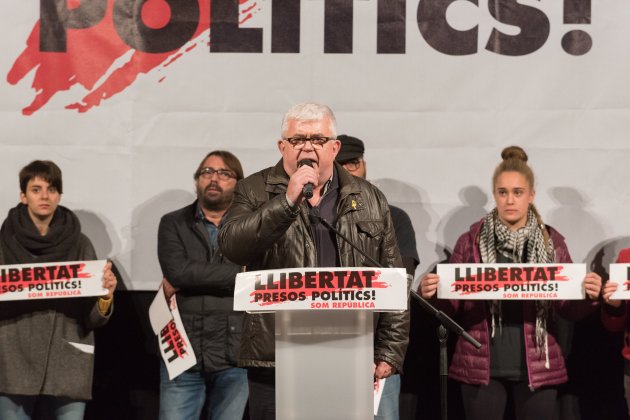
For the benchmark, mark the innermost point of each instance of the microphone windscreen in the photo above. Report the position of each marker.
(306, 162)
(307, 191)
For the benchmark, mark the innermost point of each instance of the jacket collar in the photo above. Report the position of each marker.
(277, 179)
(348, 183)
(193, 214)
(350, 197)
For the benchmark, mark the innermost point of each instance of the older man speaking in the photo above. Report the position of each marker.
(268, 228)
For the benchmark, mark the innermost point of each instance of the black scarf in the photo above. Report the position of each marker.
(22, 243)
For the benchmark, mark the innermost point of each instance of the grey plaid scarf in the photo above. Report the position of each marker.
(495, 237)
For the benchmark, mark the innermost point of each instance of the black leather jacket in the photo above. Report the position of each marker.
(261, 231)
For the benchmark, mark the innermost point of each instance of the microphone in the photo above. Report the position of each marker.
(307, 190)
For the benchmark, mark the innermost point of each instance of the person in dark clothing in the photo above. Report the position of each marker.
(47, 346)
(351, 157)
(268, 227)
(519, 352)
(203, 282)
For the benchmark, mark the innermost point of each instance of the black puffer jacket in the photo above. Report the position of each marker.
(262, 232)
(205, 280)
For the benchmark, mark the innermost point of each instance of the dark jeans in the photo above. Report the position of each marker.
(488, 402)
(262, 393)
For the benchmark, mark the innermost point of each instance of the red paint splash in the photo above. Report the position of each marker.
(97, 59)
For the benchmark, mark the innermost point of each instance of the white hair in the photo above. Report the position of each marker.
(309, 112)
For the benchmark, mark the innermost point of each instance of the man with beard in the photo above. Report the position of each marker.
(203, 282)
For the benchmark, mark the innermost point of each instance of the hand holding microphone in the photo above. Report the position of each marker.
(302, 182)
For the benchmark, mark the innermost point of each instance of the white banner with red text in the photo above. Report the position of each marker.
(331, 288)
(52, 280)
(620, 274)
(174, 346)
(511, 281)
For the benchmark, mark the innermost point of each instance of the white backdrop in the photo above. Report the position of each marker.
(434, 124)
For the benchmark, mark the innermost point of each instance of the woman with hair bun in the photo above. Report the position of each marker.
(519, 354)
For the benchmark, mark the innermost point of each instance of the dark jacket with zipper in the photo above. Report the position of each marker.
(205, 279)
(263, 232)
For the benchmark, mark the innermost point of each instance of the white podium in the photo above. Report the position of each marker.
(324, 334)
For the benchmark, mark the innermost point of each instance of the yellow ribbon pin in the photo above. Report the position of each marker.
(354, 205)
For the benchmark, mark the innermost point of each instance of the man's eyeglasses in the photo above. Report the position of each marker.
(222, 174)
(352, 164)
(298, 142)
